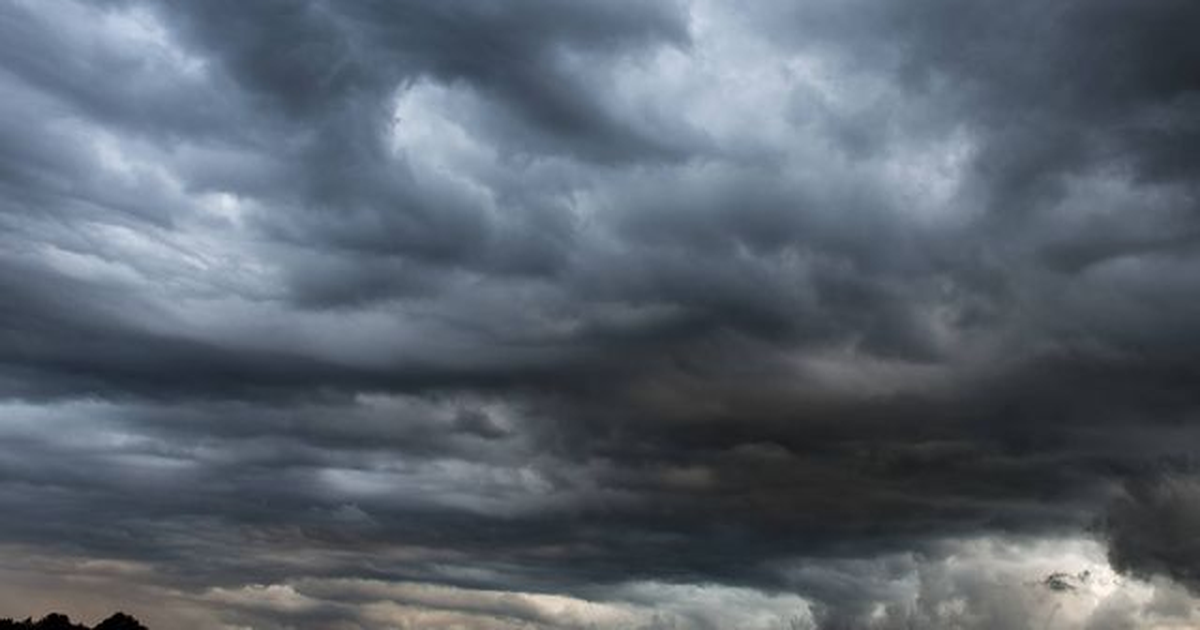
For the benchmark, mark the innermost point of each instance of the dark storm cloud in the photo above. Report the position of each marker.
(1149, 526)
(600, 299)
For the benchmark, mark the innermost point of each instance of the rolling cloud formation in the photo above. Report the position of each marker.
(550, 314)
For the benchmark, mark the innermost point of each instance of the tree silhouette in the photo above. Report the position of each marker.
(119, 621)
(58, 621)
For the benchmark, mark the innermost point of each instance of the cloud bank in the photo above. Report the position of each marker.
(601, 314)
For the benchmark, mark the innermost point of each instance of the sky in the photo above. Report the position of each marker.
(620, 314)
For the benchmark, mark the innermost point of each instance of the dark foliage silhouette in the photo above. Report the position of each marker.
(56, 621)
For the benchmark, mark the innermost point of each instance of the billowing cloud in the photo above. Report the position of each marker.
(601, 314)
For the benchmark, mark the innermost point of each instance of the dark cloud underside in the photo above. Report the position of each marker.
(631, 314)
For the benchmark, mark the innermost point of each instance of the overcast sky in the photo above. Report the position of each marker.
(607, 315)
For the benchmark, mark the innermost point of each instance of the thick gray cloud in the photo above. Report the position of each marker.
(648, 315)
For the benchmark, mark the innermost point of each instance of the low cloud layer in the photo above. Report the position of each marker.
(606, 314)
